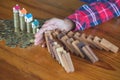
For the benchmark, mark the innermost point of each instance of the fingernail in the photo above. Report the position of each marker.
(35, 44)
(43, 46)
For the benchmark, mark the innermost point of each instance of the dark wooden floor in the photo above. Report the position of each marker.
(35, 63)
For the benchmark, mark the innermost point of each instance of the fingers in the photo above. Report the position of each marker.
(44, 44)
(51, 24)
(40, 32)
(38, 41)
(39, 36)
(50, 21)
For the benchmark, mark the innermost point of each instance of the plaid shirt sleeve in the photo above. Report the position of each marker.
(95, 13)
(90, 1)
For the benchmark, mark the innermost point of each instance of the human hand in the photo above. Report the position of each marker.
(53, 24)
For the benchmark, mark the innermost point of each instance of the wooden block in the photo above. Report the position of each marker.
(66, 66)
(64, 41)
(60, 35)
(56, 45)
(80, 46)
(89, 53)
(51, 49)
(90, 39)
(47, 41)
(69, 42)
(49, 34)
(77, 34)
(55, 33)
(77, 50)
(64, 38)
(61, 53)
(97, 40)
(109, 45)
(92, 53)
(68, 62)
(83, 36)
(70, 34)
(86, 52)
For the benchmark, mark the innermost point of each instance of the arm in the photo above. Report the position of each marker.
(90, 1)
(95, 13)
(85, 17)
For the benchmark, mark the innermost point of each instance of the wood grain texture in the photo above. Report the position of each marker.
(9, 72)
(40, 8)
(37, 64)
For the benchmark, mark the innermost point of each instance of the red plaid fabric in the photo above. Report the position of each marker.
(95, 13)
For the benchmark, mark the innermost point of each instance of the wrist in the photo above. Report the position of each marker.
(69, 24)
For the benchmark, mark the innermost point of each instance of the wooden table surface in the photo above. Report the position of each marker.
(35, 63)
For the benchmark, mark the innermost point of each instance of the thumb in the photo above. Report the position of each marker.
(40, 32)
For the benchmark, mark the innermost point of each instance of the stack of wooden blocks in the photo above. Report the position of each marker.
(61, 44)
(58, 52)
